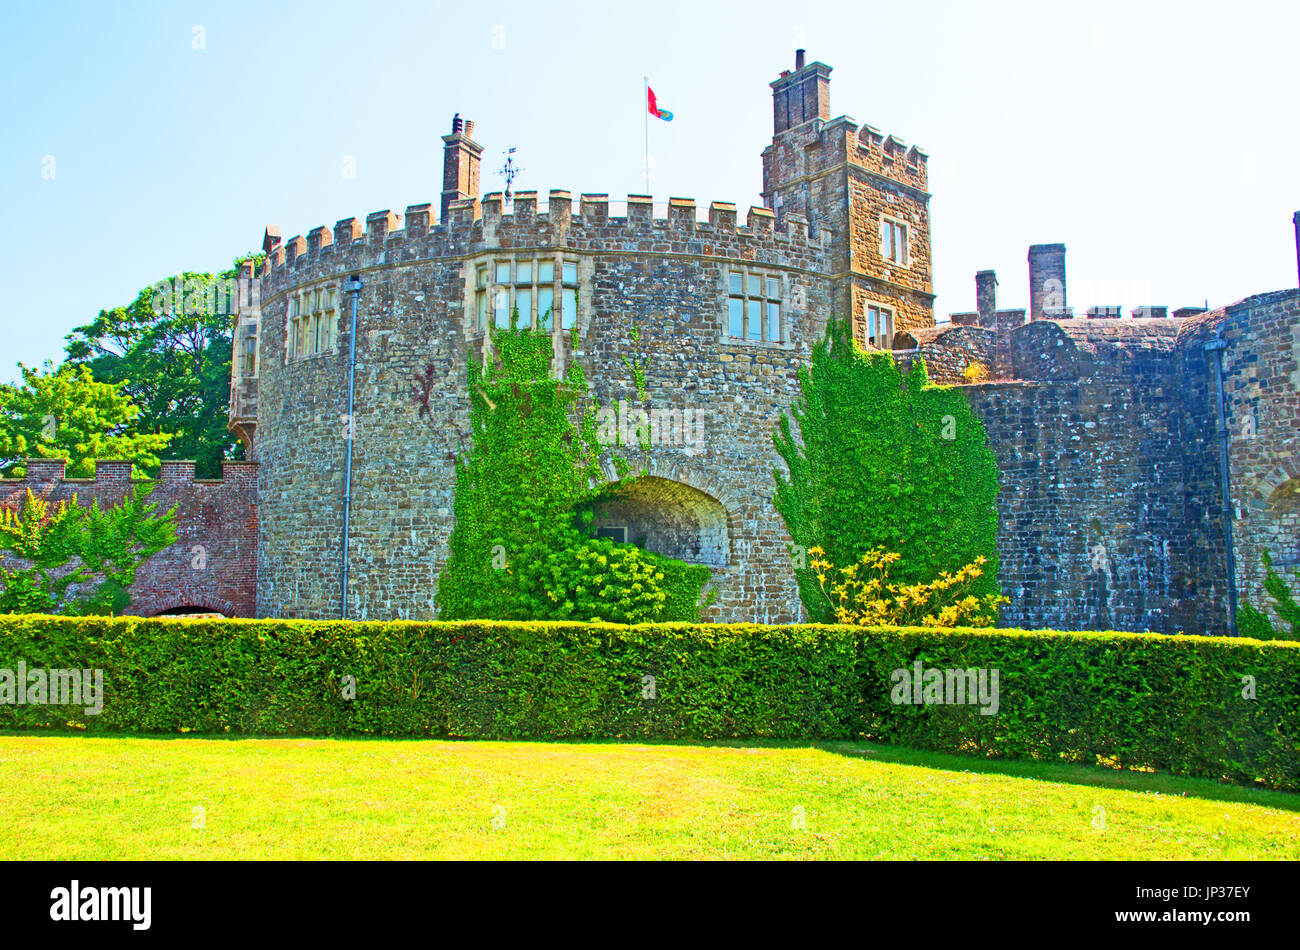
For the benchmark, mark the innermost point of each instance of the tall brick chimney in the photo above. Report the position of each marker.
(1047, 282)
(986, 297)
(801, 95)
(460, 161)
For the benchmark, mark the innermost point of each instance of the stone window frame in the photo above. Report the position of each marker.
(311, 322)
(483, 288)
(881, 308)
(781, 299)
(906, 244)
(248, 356)
(620, 539)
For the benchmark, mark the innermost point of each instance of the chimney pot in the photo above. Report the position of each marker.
(798, 59)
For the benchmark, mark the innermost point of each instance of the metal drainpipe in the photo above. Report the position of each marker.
(353, 286)
(1217, 346)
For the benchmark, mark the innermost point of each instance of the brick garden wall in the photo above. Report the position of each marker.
(212, 565)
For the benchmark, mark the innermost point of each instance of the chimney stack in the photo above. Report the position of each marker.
(986, 297)
(802, 95)
(460, 165)
(1295, 219)
(1047, 282)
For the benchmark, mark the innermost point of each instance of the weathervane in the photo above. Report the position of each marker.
(510, 171)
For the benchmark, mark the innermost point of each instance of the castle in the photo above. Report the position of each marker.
(1146, 461)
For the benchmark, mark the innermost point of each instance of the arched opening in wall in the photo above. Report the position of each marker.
(1286, 496)
(191, 613)
(666, 517)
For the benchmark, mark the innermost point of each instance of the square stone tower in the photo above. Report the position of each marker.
(867, 189)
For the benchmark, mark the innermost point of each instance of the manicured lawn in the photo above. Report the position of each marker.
(138, 798)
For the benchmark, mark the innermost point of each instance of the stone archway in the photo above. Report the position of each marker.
(1280, 489)
(190, 611)
(667, 517)
(183, 603)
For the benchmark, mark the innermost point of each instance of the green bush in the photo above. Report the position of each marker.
(878, 458)
(1177, 704)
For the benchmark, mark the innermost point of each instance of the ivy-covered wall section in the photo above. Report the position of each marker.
(878, 459)
(523, 496)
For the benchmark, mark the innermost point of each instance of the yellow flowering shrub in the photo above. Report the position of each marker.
(861, 594)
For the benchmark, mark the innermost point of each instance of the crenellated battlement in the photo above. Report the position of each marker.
(385, 238)
(889, 156)
(1106, 423)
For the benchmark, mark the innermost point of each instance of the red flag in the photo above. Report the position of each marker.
(653, 106)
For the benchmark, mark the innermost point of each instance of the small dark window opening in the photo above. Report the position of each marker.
(618, 534)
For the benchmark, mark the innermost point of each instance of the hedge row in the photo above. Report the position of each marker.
(1174, 704)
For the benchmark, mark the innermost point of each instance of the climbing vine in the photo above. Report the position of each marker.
(519, 548)
(878, 459)
(1253, 622)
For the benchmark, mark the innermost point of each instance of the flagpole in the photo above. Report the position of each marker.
(645, 136)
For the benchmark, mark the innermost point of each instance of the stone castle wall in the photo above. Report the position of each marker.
(1108, 441)
(1089, 442)
(1105, 429)
(666, 278)
(1262, 407)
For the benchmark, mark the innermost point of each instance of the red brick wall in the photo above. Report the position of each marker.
(212, 565)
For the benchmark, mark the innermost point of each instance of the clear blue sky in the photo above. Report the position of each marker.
(1160, 142)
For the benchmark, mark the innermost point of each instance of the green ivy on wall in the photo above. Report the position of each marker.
(884, 460)
(1255, 623)
(518, 551)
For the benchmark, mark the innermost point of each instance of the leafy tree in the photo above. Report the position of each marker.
(876, 459)
(66, 413)
(517, 552)
(170, 349)
(72, 560)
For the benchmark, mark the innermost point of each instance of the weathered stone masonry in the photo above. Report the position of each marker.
(1107, 437)
(1105, 428)
(675, 279)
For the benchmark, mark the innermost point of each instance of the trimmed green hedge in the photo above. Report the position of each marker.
(1130, 700)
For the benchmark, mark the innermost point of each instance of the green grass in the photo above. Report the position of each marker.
(138, 798)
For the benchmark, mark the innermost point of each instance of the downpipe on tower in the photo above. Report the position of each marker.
(353, 286)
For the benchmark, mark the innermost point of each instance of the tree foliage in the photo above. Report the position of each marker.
(66, 559)
(66, 413)
(875, 459)
(170, 350)
(518, 551)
